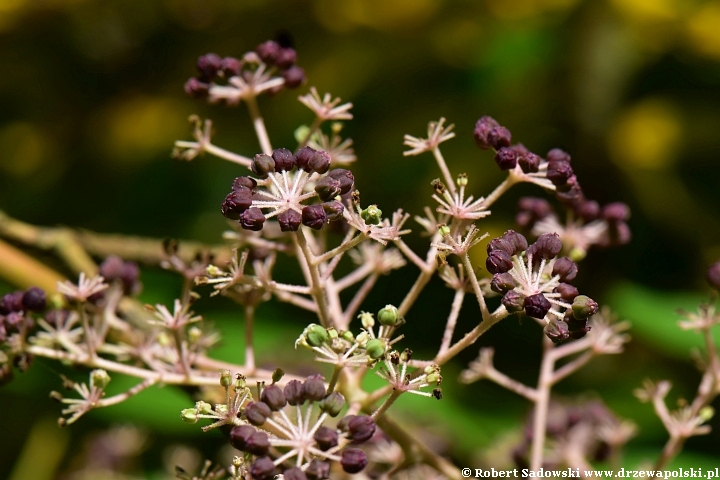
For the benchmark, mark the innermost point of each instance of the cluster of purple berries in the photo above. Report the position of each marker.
(518, 271)
(238, 204)
(14, 307)
(356, 429)
(127, 274)
(211, 68)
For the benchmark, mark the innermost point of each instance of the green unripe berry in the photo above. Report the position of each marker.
(367, 320)
(389, 316)
(189, 415)
(316, 335)
(375, 348)
(225, 378)
(332, 404)
(372, 215)
(99, 378)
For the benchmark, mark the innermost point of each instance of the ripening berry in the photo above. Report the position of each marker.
(529, 162)
(293, 392)
(268, 51)
(319, 162)
(208, 65)
(257, 412)
(556, 331)
(502, 282)
(713, 275)
(314, 216)
(558, 155)
(284, 159)
(345, 177)
(584, 307)
(262, 469)
(196, 88)
(230, 67)
(239, 436)
(589, 210)
(303, 156)
(482, 129)
(236, 203)
(360, 429)
(333, 209)
(547, 246)
(506, 158)
(285, 58)
(332, 404)
(318, 470)
(616, 212)
(258, 443)
(262, 164)
(499, 137)
(274, 397)
(326, 438)
(327, 188)
(252, 219)
(353, 460)
(498, 261)
(34, 299)
(294, 76)
(241, 183)
(532, 209)
(565, 268)
(289, 221)
(559, 172)
(294, 473)
(313, 388)
(567, 292)
(536, 306)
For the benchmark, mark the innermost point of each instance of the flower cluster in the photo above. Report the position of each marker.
(285, 191)
(285, 432)
(589, 224)
(345, 349)
(270, 68)
(534, 279)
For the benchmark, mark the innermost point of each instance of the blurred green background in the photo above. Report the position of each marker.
(91, 101)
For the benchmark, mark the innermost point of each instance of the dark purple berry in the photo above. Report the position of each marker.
(252, 219)
(565, 268)
(262, 469)
(332, 404)
(326, 438)
(285, 58)
(333, 209)
(588, 210)
(502, 282)
(536, 306)
(262, 164)
(506, 158)
(294, 76)
(314, 216)
(482, 130)
(567, 292)
(498, 261)
(303, 156)
(353, 460)
(196, 88)
(130, 278)
(713, 275)
(34, 299)
(500, 244)
(241, 183)
(616, 212)
(318, 470)
(257, 412)
(284, 159)
(516, 240)
(499, 137)
(360, 429)
(345, 177)
(236, 203)
(230, 67)
(294, 473)
(559, 172)
(258, 443)
(513, 301)
(240, 435)
(532, 209)
(208, 66)
(111, 268)
(268, 51)
(529, 162)
(289, 220)
(274, 397)
(314, 388)
(556, 331)
(547, 246)
(327, 188)
(558, 155)
(11, 302)
(294, 392)
(320, 162)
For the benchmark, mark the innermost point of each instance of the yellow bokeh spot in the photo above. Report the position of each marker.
(647, 136)
(137, 129)
(648, 11)
(703, 29)
(24, 149)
